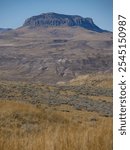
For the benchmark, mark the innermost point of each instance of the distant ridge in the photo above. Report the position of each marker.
(54, 19)
(5, 29)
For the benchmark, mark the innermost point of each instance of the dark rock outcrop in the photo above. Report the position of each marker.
(54, 19)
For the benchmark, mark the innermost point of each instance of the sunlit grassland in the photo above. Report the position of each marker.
(25, 126)
(29, 122)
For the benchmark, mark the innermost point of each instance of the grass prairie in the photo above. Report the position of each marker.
(24, 126)
(76, 115)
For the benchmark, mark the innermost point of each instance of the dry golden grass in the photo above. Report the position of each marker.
(103, 80)
(25, 126)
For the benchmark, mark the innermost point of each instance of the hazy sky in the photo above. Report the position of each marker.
(14, 12)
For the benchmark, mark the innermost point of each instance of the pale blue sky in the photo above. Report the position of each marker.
(14, 12)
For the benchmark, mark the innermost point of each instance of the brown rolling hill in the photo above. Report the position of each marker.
(54, 53)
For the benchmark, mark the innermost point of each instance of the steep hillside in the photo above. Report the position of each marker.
(54, 19)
